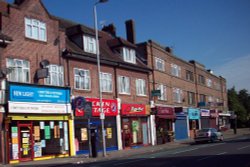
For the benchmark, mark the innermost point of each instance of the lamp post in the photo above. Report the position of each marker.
(102, 116)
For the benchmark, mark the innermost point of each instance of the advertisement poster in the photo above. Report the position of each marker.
(47, 132)
(38, 149)
(109, 133)
(66, 143)
(56, 132)
(15, 151)
(37, 132)
(43, 143)
(84, 134)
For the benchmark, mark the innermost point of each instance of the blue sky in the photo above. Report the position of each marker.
(216, 33)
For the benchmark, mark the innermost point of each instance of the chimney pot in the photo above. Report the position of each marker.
(110, 29)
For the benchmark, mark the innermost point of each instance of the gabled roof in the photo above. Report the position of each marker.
(107, 54)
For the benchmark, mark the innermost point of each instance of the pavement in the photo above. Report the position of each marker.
(81, 159)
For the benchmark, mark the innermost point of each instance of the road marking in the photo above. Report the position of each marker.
(128, 162)
(184, 151)
(221, 153)
(204, 158)
(243, 147)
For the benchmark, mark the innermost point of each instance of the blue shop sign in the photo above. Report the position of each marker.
(25, 93)
(193, 113)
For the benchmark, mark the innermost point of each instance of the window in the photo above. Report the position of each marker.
(82, 79)
(210, 98)
(124, 85)
(106, 82)
(177, 95)
(202, 98)
(175, 70)
(191, 98)
(55, 75)
(35, 29)
(140, 87)
(129, 55)
(189, 75)
(209, 82)
(201, 79)
(159, 64)
(20, 70)
(217, 86)
(89, 44)
(163, 90)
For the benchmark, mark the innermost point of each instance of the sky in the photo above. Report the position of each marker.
(215, 33)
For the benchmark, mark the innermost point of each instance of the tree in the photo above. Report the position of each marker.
(237, 106)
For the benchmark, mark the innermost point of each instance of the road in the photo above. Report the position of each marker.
(233, 153)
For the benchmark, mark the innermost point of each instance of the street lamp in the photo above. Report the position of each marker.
(102, 116)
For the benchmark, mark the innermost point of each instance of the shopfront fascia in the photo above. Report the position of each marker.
(82, 129)
(135, 125)
(39, 122)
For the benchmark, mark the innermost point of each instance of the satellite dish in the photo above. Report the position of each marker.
(44, 63)
(6, 71)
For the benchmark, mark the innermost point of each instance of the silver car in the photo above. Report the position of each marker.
(208, 134)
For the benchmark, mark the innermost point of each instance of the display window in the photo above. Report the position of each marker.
(32, 139)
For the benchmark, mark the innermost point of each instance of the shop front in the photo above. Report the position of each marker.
(83, 131)
(214, 119)
(224, 121)
(181, 123)
(164, 120)
(135, 125)
(194, 121)
(38, 122)
(205, 118)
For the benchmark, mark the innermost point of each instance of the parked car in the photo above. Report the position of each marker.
(208, 135)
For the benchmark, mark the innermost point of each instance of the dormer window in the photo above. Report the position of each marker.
(35, 29)
(89, 44)
(128, 55)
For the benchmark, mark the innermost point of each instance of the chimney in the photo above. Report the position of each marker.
(130, 30)
(110, 29)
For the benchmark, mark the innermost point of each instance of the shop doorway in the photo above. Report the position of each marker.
(25, 142)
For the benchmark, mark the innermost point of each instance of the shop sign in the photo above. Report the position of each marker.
(193, 113)
(81, 107)
(205, 113)
(25, 93)
(133, 109)
(39, 108)
(213, 114)
(109, 107)
(165, 111)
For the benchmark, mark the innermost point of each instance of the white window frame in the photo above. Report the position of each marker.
(35, 29)
(20, 70)
(177, 95)
(83, 77)
(140, 87)
(191, 98)
(106, 82)
(163, 89)
(175, 70)
(129, 55)
(159, 64)
(124, 85)
(89, 44)
(209, 82)
(56, 75)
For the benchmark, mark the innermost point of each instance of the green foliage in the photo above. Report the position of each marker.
(239, 102)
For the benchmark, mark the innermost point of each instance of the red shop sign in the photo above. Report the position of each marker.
(165, 111)
(109, 106)
(133, 109)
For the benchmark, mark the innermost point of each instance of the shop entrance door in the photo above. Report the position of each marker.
(25, 142)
